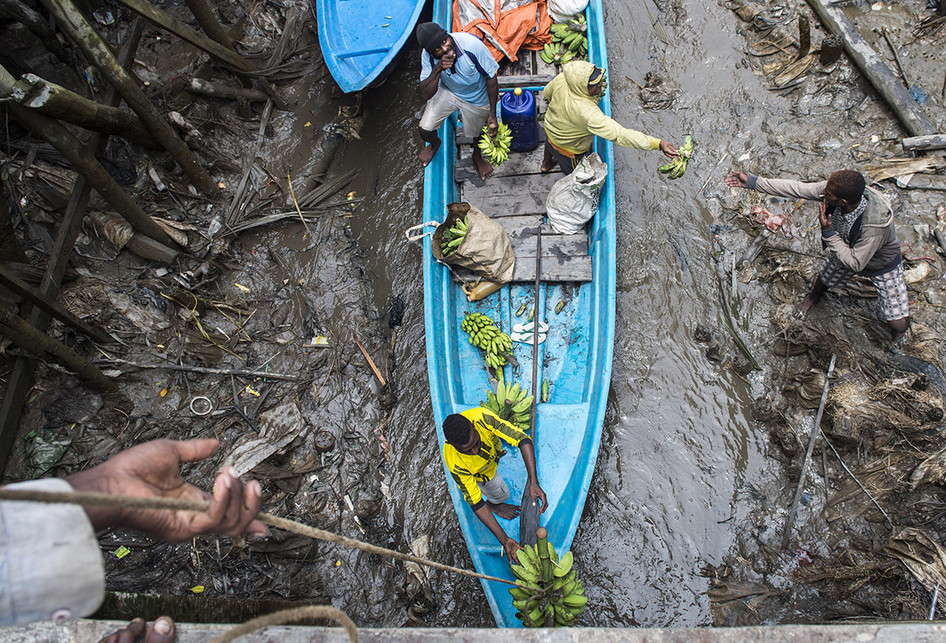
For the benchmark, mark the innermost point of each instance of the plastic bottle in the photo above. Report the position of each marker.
(519, 114)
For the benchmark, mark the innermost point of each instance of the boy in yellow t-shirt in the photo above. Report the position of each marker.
(472, 449)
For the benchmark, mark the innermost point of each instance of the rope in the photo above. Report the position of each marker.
(291, 616)
(175, 504)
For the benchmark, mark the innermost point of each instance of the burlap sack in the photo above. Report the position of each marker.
(485, 249)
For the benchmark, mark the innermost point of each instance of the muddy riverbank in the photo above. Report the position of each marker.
(700, 454)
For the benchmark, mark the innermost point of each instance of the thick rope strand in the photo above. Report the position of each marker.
(291, 616)
(175, 504)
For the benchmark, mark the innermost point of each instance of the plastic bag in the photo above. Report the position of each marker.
(562, 10)
(574, 198)
(485, 249)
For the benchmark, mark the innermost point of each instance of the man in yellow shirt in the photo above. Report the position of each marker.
(573, 119)
(471, 451)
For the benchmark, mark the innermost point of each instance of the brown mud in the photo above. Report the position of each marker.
(701, 453)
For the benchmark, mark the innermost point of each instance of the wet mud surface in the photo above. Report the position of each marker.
(701, 452)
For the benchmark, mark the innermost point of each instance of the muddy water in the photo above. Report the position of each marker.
(679, 449)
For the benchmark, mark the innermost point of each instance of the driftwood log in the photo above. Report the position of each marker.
(194, 37)
(27, 292)
(39, 26)
(29, 338)
(69, 146)
(880, 76)
(919, 143)
(220, 90)
(81, 32)
(20, 378)
(209, 23)
(58, 102)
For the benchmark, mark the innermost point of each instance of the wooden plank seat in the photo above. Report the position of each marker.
(516, 192)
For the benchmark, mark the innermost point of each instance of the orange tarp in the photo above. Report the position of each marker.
(523, 27)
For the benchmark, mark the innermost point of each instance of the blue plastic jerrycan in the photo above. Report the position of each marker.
(518, 111)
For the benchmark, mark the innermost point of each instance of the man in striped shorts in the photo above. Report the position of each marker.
(858, 231)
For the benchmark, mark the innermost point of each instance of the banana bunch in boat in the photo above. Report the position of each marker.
(675, 168)
(453, 236)
(485, 335)
(495, 149)
(548, 593)
(511, 403)
(569, 42)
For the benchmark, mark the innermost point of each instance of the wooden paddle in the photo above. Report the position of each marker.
(529, 510)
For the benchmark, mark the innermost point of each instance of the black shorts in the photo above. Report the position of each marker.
(566, 164)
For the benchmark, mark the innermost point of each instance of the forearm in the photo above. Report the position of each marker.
(429, 86)
(492, 92)
(485, 514)
(528, 458)
(857, 257)
(787, 188)
(638, 140)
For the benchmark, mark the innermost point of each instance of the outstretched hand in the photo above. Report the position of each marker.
(737, 179)
(669, 150)
(153, 470)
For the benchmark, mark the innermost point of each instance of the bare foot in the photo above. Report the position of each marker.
(547, 168)
(548, 162)
(504, 510)
(483, 167)
(427, 154)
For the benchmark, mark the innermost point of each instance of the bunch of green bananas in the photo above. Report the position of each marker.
(675, 168)
(550, 595)
(569, 42)
(485, 335)
(511, 403)
(496, 148)
(452, 237)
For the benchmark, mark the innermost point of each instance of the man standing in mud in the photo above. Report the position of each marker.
(573, 119)
(858, 231)
(457, 73)
(471, 451)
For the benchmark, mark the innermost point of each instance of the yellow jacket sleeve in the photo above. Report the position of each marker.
(609, 129)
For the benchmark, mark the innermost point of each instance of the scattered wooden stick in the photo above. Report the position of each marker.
(858, 482)
(203, 369)
(710, 178)
(896, 56)
(374, 368)
(296, 203)
(815, 431)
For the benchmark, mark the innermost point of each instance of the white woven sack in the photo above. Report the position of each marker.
(574, 198)
(562, 10)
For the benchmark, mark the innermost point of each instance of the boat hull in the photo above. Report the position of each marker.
(575, 359)
(360, 39)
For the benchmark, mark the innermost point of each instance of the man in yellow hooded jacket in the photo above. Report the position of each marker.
(574, 118)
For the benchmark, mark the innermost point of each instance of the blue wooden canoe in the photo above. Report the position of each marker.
(361, 38)
(576, 356)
